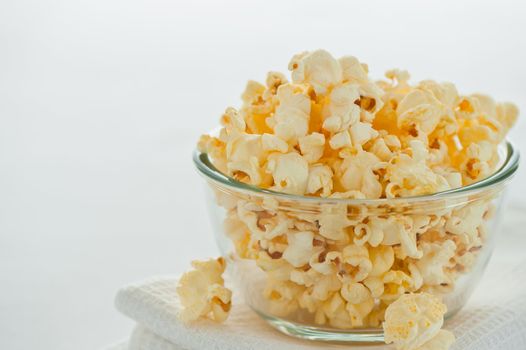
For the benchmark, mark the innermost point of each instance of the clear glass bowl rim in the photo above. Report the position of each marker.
(507, 169)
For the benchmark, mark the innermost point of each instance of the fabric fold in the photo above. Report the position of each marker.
(495, 318)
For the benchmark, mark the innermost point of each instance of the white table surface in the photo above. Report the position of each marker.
(101, 103)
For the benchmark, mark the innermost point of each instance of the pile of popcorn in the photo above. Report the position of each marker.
(332, 132)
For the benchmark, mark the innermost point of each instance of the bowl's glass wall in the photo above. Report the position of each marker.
(247, 230)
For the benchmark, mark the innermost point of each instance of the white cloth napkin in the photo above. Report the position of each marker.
(493, 319)
(155, 306)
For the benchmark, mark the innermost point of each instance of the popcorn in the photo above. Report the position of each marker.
(253, 92)
(291, 119)
(274, 80)
(341, 111)
(300, 248)
(352, 69)
(232, 121)
(376, 316)
(370, 98)
(202, 292)
(326, 262)
(237, 231)
(381, 150)
(416, 276)
(334, 133)
(341, 140)
(282, 296)
(356, 264)
(257, 104)
(396, 283)
(507, 114)
(333, 222)
(244, 153)
(362, 133)
(409, 176)
(397, 230)
(271, 143)
(320, 179)
(325, 287)
(312, 146)
(359, 302)
(275, 226)
(375, 286)
(334, 311)
(418, 111)
(318, 69)
(478, 161)
(464, 221)
(383, 139)
(382, 259)
(354, 292)
(250, 219)
(413, 320)
(434, 260)
(275, 267)
(446, 93)
(363, 233)
(358, 174)
(467, 108)
(290, 172)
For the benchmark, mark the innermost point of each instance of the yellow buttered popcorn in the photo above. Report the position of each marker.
(290, 172)
(383, 139)
(300, 248)
(202, 292)
(320, 180)
(436, 257)
(317, 69)
(291, 117)
(414, 320)
(312, 147)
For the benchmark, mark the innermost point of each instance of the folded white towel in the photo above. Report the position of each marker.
(144, 339)
(155, 306)
(495, 318)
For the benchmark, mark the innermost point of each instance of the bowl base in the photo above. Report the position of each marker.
(363, 336)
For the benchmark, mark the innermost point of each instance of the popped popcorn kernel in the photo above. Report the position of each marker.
(291, 117)
(290, 172)
(413, 320)
(320, 179)
(312, 146)
(318, 69)
(300, 248)
(202, 292)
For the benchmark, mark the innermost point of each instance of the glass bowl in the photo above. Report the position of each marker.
(298, 260)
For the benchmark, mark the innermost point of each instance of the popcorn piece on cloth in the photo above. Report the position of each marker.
(202, 291)
(413, 322)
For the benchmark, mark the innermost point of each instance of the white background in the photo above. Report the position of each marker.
(102, 101)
